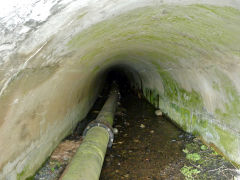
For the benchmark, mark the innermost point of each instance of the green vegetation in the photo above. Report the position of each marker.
(193, 157)
(202, 161)
(230, 115)
(185, 151)
(203, 147)
(189, 172)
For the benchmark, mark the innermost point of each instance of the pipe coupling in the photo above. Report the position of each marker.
(106, 126)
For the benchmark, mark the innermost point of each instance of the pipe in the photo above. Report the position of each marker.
(98, 135)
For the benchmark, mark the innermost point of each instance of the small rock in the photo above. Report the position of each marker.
(95, 112)
(126, 123)
(65, 158)
(136, 140)
(152, 131)
(181, 136)
(115, 130)
(195, 139)
(158, 112)
(122, 109)
(119, 113)
(142, 126)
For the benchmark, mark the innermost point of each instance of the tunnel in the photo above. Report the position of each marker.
(181, 55)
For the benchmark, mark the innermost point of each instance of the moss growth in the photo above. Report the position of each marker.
(193, 157)
(192, 147)
(81, 15)
(183, 103)
(203, 123)
(177, 94)
(92, 54)
(22, 175)
(206, 160)
(227, 140)
(203, 147)
(30, 178)
(189, 172)
(96, 68)
(165, 28)
(231, 114)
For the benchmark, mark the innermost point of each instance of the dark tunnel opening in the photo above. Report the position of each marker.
(118, 76)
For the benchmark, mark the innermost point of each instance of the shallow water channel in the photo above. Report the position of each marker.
(146, 147)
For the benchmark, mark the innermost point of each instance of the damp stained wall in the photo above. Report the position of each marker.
(183, 55)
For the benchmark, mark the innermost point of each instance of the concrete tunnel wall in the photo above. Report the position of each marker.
(184, 55)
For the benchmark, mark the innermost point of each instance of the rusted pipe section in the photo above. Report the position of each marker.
(98, 135)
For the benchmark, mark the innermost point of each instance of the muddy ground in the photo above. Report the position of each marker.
(146, 147)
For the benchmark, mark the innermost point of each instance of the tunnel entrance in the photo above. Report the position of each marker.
(120, 78)
(146, 146)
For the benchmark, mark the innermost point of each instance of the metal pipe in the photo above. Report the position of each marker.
(98, 135)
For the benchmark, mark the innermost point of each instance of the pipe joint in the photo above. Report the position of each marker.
(106, 126)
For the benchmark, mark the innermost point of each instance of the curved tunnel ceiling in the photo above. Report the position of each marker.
(183, 55)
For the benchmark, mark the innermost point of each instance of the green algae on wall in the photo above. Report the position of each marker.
(173, 26)
(225, 140)
(187, 110)
(178, 103)
(230, 114)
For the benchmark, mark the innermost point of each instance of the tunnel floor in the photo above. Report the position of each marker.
(151, 147)
(146, 147)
